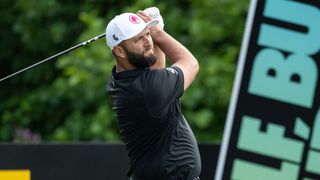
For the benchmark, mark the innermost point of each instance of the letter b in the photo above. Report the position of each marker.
(292, 80)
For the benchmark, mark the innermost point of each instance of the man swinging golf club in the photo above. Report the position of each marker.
(145, 97)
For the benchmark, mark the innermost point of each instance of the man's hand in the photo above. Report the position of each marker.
(154, 13)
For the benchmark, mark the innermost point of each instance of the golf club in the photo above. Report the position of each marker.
(56, 55)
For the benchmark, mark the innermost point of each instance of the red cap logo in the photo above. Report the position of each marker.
(134, 19)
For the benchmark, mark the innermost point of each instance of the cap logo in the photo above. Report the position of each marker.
(115, 37)
(134, 19)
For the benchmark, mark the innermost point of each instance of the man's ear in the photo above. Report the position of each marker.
(120, 52)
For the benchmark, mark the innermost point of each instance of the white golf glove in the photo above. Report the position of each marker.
(154, 13)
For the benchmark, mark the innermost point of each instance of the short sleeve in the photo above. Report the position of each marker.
(162, 88)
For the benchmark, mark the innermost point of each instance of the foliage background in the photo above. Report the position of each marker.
(65, 99)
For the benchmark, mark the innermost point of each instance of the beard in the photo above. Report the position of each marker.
(140, 60)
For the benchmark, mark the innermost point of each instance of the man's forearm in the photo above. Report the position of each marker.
(177, 54)
(174, 50)
(161, 59)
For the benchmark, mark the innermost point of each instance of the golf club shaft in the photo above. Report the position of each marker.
(56, 55)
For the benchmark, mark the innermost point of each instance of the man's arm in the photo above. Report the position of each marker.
(178, 55)
(161, 59)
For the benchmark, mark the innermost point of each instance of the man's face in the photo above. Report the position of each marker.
(140, 50)
(140, 60)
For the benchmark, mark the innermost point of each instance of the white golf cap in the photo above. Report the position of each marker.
(125, 26)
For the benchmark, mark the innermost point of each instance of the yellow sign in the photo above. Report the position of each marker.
(15, 175)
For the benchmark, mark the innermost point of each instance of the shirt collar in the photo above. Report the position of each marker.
(127, 73)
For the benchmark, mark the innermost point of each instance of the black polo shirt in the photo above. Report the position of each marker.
(158, 139)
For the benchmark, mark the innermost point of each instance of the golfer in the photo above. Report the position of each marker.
(145, 98)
